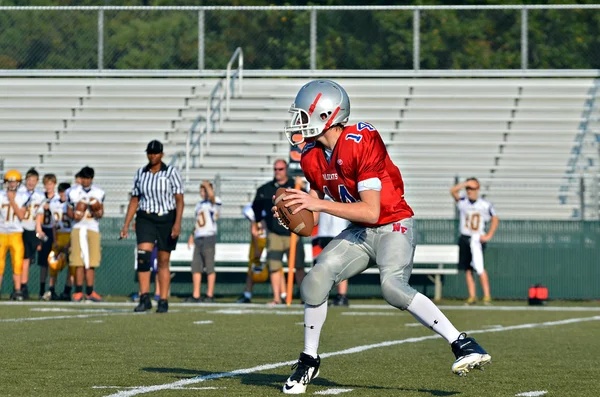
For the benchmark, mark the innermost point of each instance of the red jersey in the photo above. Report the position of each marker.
(359, 155)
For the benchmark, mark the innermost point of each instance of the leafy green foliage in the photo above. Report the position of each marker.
(276, 39)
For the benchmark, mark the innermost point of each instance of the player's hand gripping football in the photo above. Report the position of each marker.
(306, 201)
(276, 215)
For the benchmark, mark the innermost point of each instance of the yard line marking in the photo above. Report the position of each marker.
(357, 349)
(371, 314)
(333, 391)
(532, 393)
(265, 311)
(413, 325)
(24, 319)
(496, 308)
(203, 322)
(63, 310)
(297, 305)
(175, 388)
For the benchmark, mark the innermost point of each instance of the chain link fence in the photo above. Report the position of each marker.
(301, 37)
(560, 254)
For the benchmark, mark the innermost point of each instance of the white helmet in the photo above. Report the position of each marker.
(318, 106)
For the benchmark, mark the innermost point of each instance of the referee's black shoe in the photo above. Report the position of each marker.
(163, 306)
(145, 303)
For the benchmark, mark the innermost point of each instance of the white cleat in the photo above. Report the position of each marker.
(469, 355)
(306, 369)
(464, 364)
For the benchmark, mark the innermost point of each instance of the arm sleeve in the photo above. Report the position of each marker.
(371, 156)
(176, 183)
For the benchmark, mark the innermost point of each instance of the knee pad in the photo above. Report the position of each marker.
(316, 286)
(397, 292)
(144, 260)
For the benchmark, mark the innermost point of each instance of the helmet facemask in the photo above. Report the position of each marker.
(300, 127)
(319, 105)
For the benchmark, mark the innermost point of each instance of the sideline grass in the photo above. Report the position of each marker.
(108, 345)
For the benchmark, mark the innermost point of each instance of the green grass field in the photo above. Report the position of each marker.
(368, 349)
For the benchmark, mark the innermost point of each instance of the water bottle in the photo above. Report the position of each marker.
(42, 237)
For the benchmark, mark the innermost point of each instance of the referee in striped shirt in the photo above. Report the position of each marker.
(157, 202)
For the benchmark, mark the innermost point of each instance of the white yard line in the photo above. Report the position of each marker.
(24, 319)
(397, 313)
(532, 393)
(258, 311)
(175, 388)
(332, 391)
(357, 349)
(219, 305)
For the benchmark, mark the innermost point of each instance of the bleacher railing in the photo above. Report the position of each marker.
(195, 40)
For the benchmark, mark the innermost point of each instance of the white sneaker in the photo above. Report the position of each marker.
(469, 355)
(47, 296)
(307, 369)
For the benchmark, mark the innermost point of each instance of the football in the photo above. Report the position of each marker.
(95, 206)
(80, 209)
(301, 223)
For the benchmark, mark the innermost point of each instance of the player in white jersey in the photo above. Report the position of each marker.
(46, 230)
(475, 213)
(330, 226)
(204, 241)
(30, 199)
(85, 236)
(11, 231)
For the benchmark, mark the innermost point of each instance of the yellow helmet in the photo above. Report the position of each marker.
(260, 272)
(56, 261)
(13, 176)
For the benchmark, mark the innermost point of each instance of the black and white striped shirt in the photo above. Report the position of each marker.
(156, 191)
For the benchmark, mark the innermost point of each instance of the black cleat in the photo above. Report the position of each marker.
(339, 300)
(243, 299)
(468, 355)
(208, 299)
(307, 368)
(163, 306)
(191, 299)
(16, 296)
(64, 297)
(24, 292)
(144, 304)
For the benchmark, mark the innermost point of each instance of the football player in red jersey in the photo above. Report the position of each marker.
(351, 165)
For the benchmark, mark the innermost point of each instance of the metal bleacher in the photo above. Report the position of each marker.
(516, 135)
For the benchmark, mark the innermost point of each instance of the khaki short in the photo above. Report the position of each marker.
(278, 245)
(93, 240)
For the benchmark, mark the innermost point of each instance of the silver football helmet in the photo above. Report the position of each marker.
(319, 105)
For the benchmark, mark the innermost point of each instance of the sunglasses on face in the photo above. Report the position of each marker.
(472, 188)
(278, 169)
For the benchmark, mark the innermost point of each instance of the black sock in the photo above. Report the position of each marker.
(78, 288)
(42, 288)
(52, 289)
(67, 290)
(89, 290)
(23, 287)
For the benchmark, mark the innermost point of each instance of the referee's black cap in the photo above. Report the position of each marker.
(154, 147)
